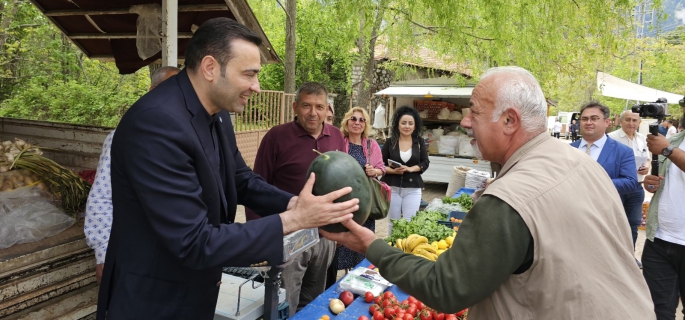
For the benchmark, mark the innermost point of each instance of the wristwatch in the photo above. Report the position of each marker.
(666, 152)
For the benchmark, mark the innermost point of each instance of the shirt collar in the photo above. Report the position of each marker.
(599, 143)
(300, 132)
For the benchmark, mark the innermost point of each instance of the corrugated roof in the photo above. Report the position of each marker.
(421, 57)
(106, 30)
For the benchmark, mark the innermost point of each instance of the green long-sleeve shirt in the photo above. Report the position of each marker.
(493, 242)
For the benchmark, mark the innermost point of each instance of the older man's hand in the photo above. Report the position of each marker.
(357, 239)
(657, 143)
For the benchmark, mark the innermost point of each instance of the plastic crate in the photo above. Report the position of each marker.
(468, 191)
(433, 107)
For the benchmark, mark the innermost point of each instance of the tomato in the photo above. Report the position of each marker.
(388, 295)
(425, 315)
(378, 316)
(390, 313)
(438, 316)
(412, 310)
(363, 318)
(461, 313)
(373, 308)
(412, 299)
(386, 303)
(405, 301)
(400, 315)
(379, 300)
(368, 297)
(408, 317)
(371, 266)
(450, 317)
(419, 305)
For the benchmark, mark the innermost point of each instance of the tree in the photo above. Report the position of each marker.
(290, 45)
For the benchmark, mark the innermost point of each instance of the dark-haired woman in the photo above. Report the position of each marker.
(407, 148)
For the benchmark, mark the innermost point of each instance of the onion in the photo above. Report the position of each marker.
(336, 306)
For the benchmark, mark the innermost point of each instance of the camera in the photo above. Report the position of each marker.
(658, 109)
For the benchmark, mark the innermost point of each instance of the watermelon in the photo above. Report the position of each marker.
(335, 170)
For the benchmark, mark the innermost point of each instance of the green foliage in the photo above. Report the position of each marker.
(424, 223)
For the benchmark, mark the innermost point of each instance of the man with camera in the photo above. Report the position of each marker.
(663, 256)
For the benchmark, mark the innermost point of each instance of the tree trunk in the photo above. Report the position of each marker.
(6, 21)
(368, 62)
(290, 46)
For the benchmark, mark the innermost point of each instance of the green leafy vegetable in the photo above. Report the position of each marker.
(464, 200)
(424, 223)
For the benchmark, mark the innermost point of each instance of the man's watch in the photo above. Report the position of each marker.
(666, 152)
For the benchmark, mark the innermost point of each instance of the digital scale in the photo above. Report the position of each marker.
(241, 298)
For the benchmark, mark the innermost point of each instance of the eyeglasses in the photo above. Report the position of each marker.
(591, 119)
(355, 119)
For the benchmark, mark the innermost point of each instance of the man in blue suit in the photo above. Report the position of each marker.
(177, 177)
(617, 159)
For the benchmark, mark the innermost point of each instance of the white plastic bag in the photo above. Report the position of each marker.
(27, 214)
(149, 29)
(437, 206)
(360, 280)
(465, 148)
(455, 115)
(448, 144)
(444, 114)
(476, 179)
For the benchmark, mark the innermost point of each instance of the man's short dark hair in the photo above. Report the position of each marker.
(595, 104)
(159, 75)
(214, 39)
(310, 88)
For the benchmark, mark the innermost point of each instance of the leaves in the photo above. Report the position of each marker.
(424, 223)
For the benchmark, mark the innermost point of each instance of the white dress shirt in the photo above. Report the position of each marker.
(596, 148)
(638, 144)
(98, 221)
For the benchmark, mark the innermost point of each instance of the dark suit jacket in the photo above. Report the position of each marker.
(618, 161)
(173, 226)
(419, 156)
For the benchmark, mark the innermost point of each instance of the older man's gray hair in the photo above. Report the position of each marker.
(523, 92)
(160, 75)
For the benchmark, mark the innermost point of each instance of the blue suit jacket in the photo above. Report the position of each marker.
(618, 161)
(174, 206)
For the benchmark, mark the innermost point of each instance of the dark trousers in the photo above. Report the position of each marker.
(664, 270)
(574, 136)
(632, 203)
(556, 135)
(332, 272)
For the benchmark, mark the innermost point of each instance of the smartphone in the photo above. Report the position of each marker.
(393, 164)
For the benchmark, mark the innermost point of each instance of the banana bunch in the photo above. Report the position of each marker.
(417, 245)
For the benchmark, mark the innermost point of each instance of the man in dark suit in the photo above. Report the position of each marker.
(617, 159)
(177, 177)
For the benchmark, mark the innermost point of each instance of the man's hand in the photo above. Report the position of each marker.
(98, 271)
(292, 202)
(643, 170)
(357, 239)
(657, 143)
(312, 211)
(652, 183)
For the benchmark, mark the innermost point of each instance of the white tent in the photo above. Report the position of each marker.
(611, 86)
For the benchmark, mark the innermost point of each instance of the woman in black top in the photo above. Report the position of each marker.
(407, 148)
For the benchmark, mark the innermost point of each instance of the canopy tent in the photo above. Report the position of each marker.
(429, 91)
(106, 30)
(614, 87)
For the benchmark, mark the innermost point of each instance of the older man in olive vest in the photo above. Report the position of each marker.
(548, 238)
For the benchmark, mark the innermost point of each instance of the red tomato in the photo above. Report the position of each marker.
(346, 297)
(461, 313)
(379, 300)
(412, 310)
(419, 305)
(371, 266)
(412, 299)
(398, 310)
(378, 316)
(373, 308)
(388, 294)
(450, 317)
(400, 315)
(363, 318)
(405, 301)
(408, 317)
(390, 313)
(438, 316)
(425, 315)
(368, 297)
(386, 303)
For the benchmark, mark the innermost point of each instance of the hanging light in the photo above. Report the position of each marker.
(428, 95)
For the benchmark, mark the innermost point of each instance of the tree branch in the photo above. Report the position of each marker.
(282, 7)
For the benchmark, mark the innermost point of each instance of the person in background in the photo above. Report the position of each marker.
(628, 135)
(663, 256)
(548, 238)
(574, 131)
(283, 159)
(330, 115)
(407, 148)
(355, 128)
(557, 128)
(98, 221)
(672, 130)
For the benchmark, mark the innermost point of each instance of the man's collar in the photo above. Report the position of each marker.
(599, 143)
(299, 131)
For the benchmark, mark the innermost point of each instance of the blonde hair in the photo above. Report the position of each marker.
(348, 115)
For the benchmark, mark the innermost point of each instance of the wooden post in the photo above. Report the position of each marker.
(170, 33)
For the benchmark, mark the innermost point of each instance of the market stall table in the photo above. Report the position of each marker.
(319, 307)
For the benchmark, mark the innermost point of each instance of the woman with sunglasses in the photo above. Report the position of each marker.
(367, 152)
(407, 150)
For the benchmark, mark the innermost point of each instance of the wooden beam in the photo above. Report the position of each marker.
(181, 8)
(80, 36)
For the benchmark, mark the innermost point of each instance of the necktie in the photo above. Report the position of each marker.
(587, 148)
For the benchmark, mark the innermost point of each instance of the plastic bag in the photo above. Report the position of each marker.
(476, 179)
(149, 29)
(455, 115)
(360, 280)
(437, 206)
(448, 144)
(465, 148)
(27, 214)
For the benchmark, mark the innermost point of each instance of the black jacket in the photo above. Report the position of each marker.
(419, 156)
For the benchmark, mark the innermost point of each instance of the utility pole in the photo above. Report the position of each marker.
(644, 16)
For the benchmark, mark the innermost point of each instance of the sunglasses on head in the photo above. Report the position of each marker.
(355, 119)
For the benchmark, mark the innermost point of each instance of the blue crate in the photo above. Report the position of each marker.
(468, 191)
